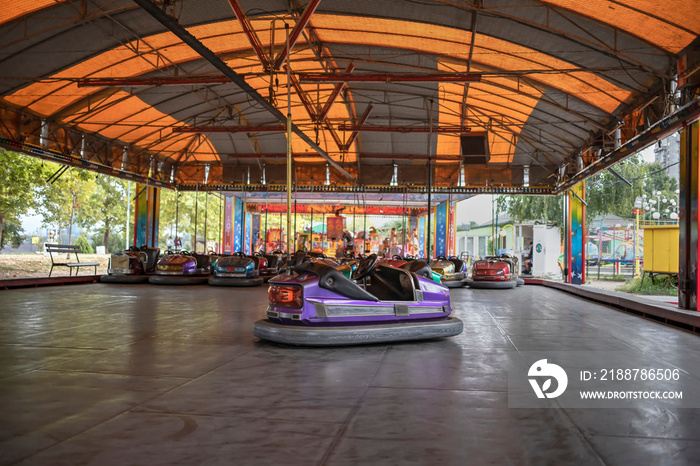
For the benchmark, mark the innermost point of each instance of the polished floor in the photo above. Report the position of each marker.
(144, 375)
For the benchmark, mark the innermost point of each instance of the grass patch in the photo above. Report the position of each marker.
(636, 286)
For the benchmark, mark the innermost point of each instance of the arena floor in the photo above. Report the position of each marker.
(114, 374)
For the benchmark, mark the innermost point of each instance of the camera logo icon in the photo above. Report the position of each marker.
(542, 370)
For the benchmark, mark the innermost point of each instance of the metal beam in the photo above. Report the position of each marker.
(231, 129)
(308, 155)
(334, 135)
(162, 81)
(247, 29)
(184, 35)
(355, 128)
(334, 95)
(465, 94)
(388, 77)
(310, 110)
(403, 129)
(363, 120)
(668, 125)
(302, 22)
(411, 189)
(612, 170)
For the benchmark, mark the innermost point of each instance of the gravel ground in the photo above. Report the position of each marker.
(605, 284)
(38, 265)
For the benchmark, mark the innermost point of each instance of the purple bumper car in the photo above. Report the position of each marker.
(319, 306)
(183, 268)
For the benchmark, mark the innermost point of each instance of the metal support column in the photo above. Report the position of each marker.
(688, 229)
(576, 235)
(146, 216)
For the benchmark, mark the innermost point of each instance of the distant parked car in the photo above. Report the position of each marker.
(592, 253)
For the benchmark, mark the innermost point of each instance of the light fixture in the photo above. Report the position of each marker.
(526, 176)
(656, 215)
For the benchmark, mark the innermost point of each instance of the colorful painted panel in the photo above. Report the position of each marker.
(335, 227)
(431, 253)
(248, 233)
(256, 232)
(451, 233)
(421, 237)
(237, 224)
(228, 225)
(147, 216)
(141, 216)
(441, 212)
(577, 210)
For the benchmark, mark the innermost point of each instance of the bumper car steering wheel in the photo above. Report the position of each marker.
(365, 267)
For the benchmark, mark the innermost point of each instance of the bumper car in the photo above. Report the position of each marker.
(183, 268)
(272, 267)
(452, 271)
(495, 272)
(316, 305)
(238, 270)
(131, 266)
(413, 265)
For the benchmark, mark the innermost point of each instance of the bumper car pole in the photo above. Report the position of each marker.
(430, 179)
(289, 157)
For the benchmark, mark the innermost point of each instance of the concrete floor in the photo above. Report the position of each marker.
(111, 374)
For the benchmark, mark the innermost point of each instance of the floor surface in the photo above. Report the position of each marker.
(115, 375)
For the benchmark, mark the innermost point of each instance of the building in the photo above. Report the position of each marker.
(667, 152)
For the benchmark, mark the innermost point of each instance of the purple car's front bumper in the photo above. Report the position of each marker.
(303, 335)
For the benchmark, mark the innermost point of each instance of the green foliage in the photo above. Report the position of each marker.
(84, 244)
(116, 242)
(663, 288)
(20, 175)
(12, 233)
(104, 211)
(182, 211)
(606, 193)
(547, 209)
(61, 201)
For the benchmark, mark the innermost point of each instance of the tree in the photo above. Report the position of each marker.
(606, 193)
(84, 245)
(59, 200)
(105, 209)
(12, 232)
(547, 209)
(21, 175)
(181, 211)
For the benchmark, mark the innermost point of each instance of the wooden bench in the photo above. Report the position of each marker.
(67, 249)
